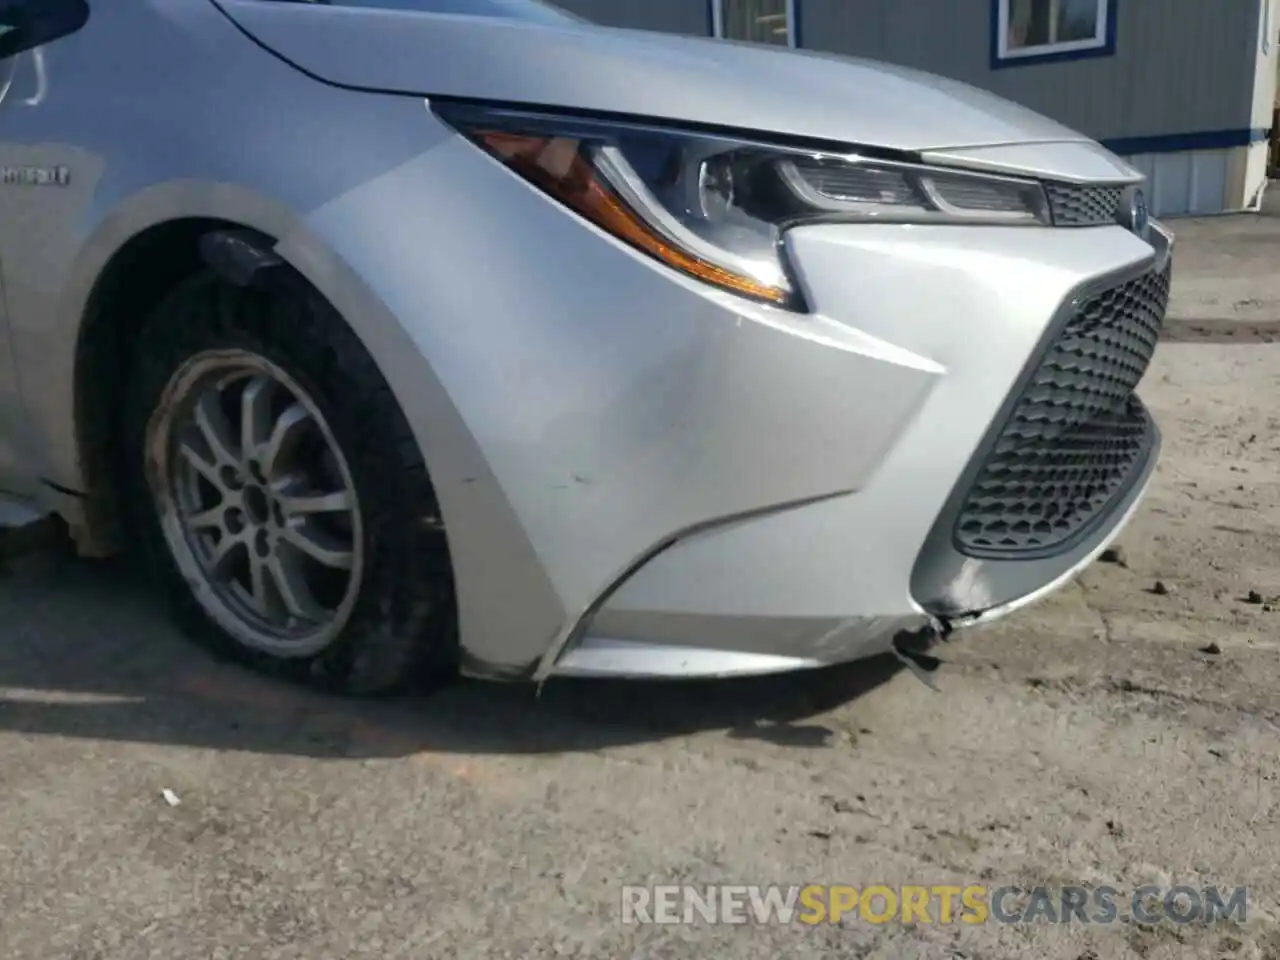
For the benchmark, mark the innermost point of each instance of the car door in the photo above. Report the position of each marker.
(35, 202)
(15, 459)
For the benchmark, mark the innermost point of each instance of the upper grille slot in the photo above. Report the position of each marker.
(1074, 205)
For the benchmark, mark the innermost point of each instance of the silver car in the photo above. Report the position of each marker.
(398, 337)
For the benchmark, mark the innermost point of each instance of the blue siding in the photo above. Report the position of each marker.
(1179, 67)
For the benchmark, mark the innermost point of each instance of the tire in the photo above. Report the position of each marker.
(376, 613)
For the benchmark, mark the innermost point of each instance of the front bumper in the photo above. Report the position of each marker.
(630, 463)
(843, 578)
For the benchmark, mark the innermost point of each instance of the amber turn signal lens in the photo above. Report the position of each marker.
(556, 165)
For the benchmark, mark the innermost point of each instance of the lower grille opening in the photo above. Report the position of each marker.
(1077, 437)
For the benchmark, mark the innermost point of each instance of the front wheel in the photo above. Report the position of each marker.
(284, 506)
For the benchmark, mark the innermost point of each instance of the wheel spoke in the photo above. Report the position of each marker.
(200, 463)
(206, 519)
(319, 545)
(291, 584)
(301, 504)
(258, 589)
(216, 430)
(255, 415)
(283, 439)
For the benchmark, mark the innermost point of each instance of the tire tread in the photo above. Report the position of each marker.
(403, 628)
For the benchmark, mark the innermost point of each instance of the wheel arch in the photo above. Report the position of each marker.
(135, 255)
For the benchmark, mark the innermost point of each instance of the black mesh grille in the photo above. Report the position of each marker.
(1077, 435)
(1078, 206)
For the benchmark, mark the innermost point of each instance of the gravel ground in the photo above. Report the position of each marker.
(1098, 738)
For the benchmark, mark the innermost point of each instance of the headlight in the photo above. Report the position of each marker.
(715, 207)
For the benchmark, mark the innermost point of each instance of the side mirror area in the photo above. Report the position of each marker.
(25, 24)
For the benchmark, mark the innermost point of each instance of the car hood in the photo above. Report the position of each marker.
(585, 67)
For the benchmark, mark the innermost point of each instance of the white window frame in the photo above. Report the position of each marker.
(1098, 42)
(717, 20)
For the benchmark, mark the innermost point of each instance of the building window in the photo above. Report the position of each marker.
(759, 21)
(1029, 31)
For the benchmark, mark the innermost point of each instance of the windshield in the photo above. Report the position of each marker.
(530, 11)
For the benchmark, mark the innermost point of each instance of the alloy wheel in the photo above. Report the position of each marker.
(256, 502)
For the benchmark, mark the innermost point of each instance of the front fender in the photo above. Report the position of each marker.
(494, 551)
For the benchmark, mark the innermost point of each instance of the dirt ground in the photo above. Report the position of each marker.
(1097, 738)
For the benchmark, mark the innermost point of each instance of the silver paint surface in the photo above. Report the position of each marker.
(582, 409)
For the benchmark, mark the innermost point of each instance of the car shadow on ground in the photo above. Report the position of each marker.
(86, 651)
